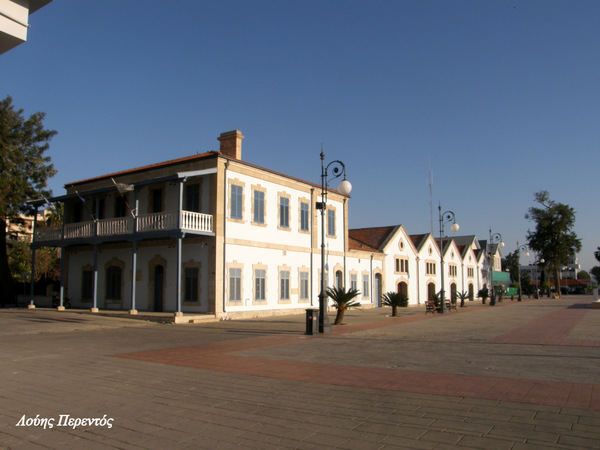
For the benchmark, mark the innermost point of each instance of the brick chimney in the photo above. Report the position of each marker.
(231, 144)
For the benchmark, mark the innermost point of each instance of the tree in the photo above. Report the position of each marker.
(464, 295)
(596, 272)
(342, 299)
(25, 171)
(553, 237)
(511, 262)
(583, 275)
(395, 300)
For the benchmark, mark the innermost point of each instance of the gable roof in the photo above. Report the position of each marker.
(419, 240)
(354, 244)
(467, 240)
(374, 237)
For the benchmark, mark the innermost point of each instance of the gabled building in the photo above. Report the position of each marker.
(396, 254)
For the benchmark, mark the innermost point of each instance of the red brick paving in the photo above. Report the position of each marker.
(551, 329)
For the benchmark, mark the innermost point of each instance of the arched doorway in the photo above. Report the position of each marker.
(158, 288)
(453, 291)
(378, 292)
(471, 292)
(430, 291)
(402, 288)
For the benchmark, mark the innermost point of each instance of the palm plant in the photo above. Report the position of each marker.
(463, 296)
(342, 299)
(436, 300)
(484, 294)
(395, 299)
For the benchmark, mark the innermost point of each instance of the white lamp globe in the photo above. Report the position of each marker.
(345, 187)
(455, 227)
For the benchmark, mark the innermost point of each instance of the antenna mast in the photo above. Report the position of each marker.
(431, 195)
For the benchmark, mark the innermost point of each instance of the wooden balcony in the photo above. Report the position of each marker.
(145, 225)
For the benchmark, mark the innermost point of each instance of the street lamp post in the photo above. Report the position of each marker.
(344, 188)
(542, 273)
(495, 238)
(446, 217)
(525, 249)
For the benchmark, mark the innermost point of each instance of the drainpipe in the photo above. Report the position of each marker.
(418, 283)
(371, 277)
(312, 248)
(224, 277)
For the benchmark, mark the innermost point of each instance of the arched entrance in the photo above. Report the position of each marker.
(378, 292)
(402, 288)
(453, 291)
(158, 288)
(471, 292)
(430, 291)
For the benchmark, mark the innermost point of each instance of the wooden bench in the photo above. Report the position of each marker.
(452, 306)
(430, 306)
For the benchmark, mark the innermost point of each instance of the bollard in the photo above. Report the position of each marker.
(312, 321)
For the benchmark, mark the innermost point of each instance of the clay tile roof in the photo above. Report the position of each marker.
(373, 237)
(171, 162)
(417, 239)
(354, 244)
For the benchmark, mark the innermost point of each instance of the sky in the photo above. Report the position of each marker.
(496, 99)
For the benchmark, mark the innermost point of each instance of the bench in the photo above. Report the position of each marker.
(430, 307)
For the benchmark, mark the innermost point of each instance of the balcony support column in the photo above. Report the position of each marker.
(95, 304)
(61, 304)
(179, 239)
(32, 277)
(133, 309)
(133, 277)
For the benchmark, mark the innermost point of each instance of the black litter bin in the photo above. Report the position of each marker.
(312, 321)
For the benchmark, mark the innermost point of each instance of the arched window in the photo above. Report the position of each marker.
(339, 279)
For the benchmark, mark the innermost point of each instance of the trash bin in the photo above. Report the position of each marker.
(312, 321)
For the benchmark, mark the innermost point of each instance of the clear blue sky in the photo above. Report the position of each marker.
(502, 97)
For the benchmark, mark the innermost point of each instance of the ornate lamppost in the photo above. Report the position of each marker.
(495, 238)
(344, 188)
(525, 249)
(446, 217)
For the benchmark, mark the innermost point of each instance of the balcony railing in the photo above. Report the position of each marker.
(120, 226)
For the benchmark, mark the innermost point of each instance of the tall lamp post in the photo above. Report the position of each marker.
(525, 249)
(495, 238)
(542, 273)
(446, 217)
(344, 188)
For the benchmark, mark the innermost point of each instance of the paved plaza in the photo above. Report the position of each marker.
(519, 375)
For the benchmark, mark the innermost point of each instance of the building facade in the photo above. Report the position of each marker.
(213, 234)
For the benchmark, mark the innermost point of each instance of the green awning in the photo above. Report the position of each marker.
(501, 277)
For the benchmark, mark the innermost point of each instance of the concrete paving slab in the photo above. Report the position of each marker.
(516, 375)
